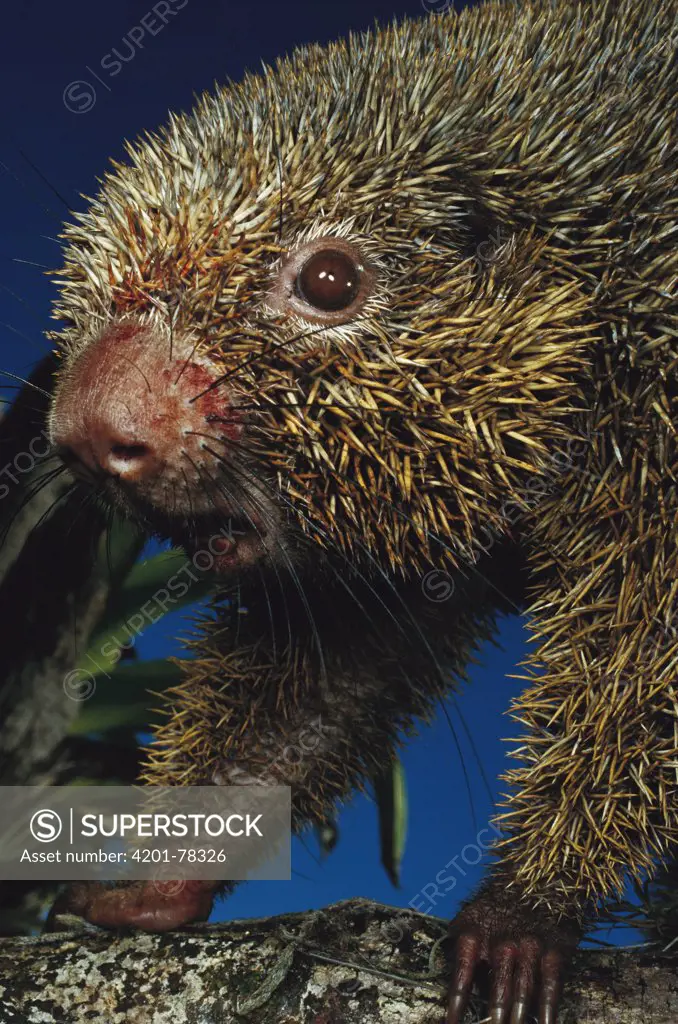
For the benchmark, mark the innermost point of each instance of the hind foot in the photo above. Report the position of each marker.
(526, 950)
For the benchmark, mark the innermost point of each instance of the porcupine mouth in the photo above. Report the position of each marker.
(223, 545)
(220, 540)
(217, 543)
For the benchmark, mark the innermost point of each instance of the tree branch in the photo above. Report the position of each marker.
(356, 962)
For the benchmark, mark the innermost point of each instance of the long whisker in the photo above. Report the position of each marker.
(22, 185)
(220, 485)
(264, 515)
(442, 693)
(300, 589)
(10, 401)
(110, 519)
(138, 368)
(248, 486)
(89, 498)
(30, 384)
(442, 675)
(27, 497)
(29, 263)
(353, 567)
(269, 605)
(445, 688)
(24, 337)
(45, 180)
(447, 547)
(29, 494)
(5, 695)
(29, 309)
(191, 519)
(488, 583)
(188, 361)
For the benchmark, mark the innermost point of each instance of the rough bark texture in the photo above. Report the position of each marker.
(356, 962)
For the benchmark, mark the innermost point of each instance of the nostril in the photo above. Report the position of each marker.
(129, 461)
(130, 452)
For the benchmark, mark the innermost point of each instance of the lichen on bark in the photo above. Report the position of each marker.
(355, 962)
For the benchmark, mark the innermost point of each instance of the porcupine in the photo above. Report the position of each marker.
(275, 314)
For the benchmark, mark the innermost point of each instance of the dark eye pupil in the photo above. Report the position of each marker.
(328, 280)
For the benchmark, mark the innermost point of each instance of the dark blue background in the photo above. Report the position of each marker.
(47, 47)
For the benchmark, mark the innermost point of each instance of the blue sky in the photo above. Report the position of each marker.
(68, 103)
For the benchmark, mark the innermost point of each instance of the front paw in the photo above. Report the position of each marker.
(527, 951)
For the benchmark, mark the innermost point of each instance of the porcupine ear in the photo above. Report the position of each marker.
(482, 231)
(485, 235)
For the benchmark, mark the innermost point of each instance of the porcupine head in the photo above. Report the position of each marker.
(301, 309)
(320, 311)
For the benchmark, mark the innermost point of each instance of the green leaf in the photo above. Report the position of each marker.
(390, 793)
(153, 588)
(121, 698)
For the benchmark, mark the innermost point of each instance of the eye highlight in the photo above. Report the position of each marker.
(327, 281)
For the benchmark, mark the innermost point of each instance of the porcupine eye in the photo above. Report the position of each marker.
(328, 280)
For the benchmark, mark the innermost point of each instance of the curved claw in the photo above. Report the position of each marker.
(516, 968)
(525, 981)
(551, 985)
(503, 961)
(466, 959)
